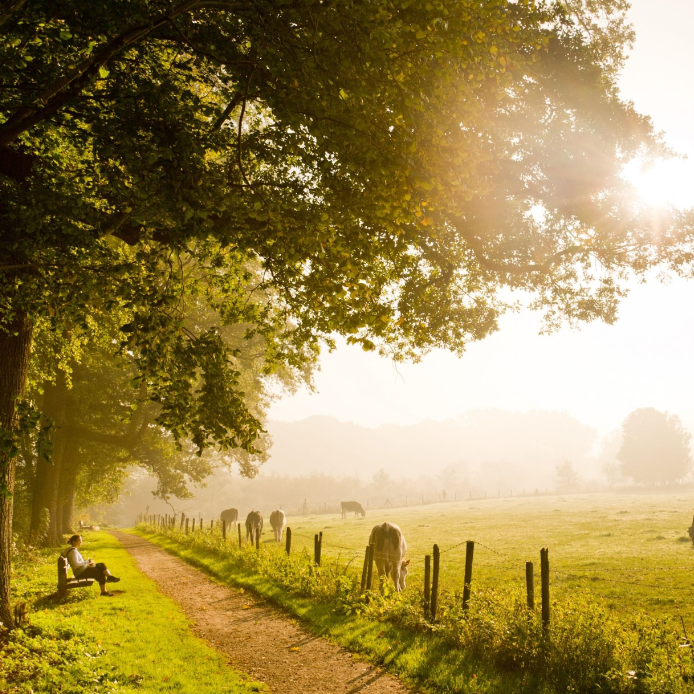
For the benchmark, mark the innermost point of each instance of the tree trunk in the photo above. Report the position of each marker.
(68, 477)
(55, 404)
(39, 497)
(15, 350)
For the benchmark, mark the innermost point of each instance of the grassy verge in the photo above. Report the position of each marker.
(495, 647)
(421, 659)
(137, 641)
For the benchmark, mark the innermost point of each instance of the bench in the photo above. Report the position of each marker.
(65, 583)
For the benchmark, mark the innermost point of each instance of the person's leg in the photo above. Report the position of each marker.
(98, 573)
(108, 577)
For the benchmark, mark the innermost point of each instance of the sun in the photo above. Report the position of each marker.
(667, 182)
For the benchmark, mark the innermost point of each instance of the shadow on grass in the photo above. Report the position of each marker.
(53, 600)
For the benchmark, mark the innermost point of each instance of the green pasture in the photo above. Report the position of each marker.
(136, 641)
(630, 550)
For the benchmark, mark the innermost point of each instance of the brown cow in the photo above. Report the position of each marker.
(254, 526)
(230, 515)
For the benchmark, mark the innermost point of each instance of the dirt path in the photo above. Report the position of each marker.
(259, 639)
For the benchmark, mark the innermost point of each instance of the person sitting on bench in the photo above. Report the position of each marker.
(86, 568)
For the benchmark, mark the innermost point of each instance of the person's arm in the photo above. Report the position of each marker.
(76, 561)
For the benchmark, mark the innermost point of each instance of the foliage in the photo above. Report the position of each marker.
(655, 447)
(139, 641)
(51, 660)
(589, 648)
(567, 476)
(292, 157)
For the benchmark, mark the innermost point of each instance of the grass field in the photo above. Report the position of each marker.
(622, 572)
(136, 641)
(631, 550)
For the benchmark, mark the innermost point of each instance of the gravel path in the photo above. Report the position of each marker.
(259, 639)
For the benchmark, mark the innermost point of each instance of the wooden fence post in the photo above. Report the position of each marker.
(530, 584)
(202, 524)
(427, 584)
(469, 553)
(320, 546)
(435, 583)
(369, 574)
(288, 541)
(211, 525)
(544, 573)
(183, 517)
(186, 526)
(316, 550)
(224, 530)
(257, 539)
(238, 525)
(365, 569)
(192, 530)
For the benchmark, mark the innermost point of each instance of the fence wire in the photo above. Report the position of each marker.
(514, 563)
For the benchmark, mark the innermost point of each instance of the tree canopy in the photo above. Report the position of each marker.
(381, 170)
(655, 447)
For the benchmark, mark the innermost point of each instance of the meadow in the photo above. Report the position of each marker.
(620, 591)
(630, 550)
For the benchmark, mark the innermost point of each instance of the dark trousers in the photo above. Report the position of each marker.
(97, 572)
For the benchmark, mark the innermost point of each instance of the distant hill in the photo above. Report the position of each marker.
(532, 442)
(321, 460)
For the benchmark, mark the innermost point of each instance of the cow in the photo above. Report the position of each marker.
(352, 506)
(231, 515)
(254, 526)
(277, 521)
(389, 553)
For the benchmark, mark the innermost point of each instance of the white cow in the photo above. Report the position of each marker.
(390, 548)
(277, 521)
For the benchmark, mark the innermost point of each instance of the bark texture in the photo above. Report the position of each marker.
(47, 489)
(15, 350)
(68, 477)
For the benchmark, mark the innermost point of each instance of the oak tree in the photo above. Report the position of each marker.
(389, 168)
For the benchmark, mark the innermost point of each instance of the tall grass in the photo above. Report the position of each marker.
(587, 648)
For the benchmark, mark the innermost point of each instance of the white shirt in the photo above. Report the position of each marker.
(76, 561)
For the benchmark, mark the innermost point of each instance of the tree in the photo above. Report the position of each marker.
(388, 168)
(567, 477)
(609, 465)
(655, 447)
(99, 426)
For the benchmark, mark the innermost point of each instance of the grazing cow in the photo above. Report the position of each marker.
(277, 521)
(352, 506)
(389, 554)
(231, 515)
(254, 526)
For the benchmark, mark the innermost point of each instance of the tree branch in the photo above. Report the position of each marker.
(11, 8)
(236, 100)
(54, 97)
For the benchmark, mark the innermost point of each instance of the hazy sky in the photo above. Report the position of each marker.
(600, 373)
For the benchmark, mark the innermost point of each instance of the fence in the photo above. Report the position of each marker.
(432, 562)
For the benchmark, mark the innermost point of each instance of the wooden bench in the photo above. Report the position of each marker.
(65, 583)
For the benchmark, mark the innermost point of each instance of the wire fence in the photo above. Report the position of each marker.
(514, 564)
